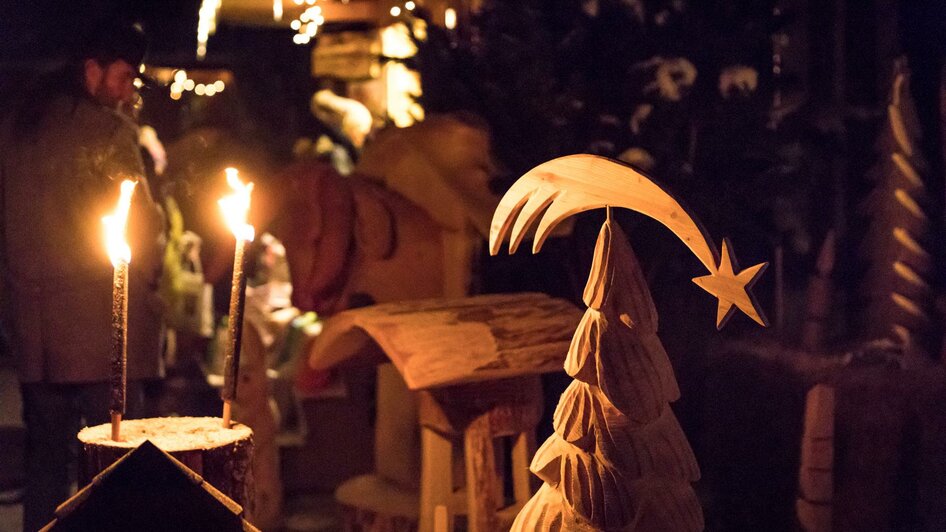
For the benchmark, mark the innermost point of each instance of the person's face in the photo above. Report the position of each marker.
(111, 85)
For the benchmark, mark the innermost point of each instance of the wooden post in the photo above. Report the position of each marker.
(481, 481)
(436, 483)
(522, 450)
(816, 470)
(441, 519)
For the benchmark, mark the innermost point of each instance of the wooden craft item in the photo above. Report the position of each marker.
(816, 470)
(576, 183)
(618, 459)
(252, 408)
(221, 456)
(899, 295)
(818, 297)
(502, 335)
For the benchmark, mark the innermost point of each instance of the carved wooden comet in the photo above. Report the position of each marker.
(576, 183)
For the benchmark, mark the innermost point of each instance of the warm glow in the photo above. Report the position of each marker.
(409, 5)
(118, 250)
(396, 42)
(395, 11)
(277, 10)
(450, 18)
(403, 89)
(236, 206)
(206, 24)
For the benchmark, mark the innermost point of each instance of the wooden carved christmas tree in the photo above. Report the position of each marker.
(899, 296)
(618, 460)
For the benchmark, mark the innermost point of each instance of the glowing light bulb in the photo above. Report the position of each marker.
(395, 11)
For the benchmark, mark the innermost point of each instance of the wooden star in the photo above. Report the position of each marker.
(732, 289)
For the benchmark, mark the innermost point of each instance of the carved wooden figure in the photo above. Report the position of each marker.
(618, 459)
(897, 288)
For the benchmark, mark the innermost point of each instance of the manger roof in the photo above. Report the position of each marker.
(439, 342)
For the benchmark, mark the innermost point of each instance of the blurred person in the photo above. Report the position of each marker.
(63, 153)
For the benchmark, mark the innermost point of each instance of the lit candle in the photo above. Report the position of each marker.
(235, 208)
(120, 255)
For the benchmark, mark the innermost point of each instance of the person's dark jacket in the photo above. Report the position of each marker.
(58, 178)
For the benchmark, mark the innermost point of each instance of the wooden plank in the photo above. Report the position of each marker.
(439, 342)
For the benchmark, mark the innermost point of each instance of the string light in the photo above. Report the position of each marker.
(182, 83)
(308, 23)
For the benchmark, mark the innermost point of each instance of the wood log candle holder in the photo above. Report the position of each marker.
(221, 456)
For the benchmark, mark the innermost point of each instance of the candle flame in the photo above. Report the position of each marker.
(236, 206)
(118, 250)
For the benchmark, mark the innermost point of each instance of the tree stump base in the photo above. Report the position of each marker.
(222, 456)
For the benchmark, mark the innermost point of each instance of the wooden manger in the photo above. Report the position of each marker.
(472, 367)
